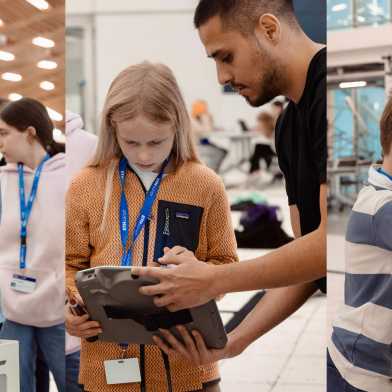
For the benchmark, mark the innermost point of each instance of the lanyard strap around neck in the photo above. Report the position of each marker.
(144, 213)
(25, 209)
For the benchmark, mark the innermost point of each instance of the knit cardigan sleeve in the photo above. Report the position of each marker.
(221, 242)
(77, 244)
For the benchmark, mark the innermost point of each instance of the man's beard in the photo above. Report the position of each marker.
(271, 78)
(268, 89)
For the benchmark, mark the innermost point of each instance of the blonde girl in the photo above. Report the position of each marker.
(145, 131)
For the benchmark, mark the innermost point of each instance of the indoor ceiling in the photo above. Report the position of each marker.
(20, 23)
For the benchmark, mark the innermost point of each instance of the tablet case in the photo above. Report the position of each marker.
(111, 296)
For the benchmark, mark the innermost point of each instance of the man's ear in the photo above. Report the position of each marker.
(31, 134)
(268, 27)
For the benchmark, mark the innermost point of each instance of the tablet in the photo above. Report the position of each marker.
(111, 296)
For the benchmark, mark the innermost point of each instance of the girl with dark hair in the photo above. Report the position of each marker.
(32, 238)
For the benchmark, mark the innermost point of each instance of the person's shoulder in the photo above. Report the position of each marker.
(286, 118)
(314, 93)
(84, 136)
(286, 113)
(318, 66)
(371, 199)
(200, 174)
(318, 83)
(89, 178)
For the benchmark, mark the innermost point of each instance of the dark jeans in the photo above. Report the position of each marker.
(72, 372)
(51, 342)
(41, 373)
(335, 382)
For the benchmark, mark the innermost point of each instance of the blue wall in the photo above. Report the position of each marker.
(312, 16)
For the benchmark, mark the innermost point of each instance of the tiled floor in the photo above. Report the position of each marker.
(335, 250)
(291, 358)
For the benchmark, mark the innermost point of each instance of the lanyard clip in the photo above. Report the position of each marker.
(124, 349)
(23, 241)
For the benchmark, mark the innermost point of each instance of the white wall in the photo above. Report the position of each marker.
(127, 33)
(99, 6)
(359, 45)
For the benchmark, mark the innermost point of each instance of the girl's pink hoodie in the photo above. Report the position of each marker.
(45, 245)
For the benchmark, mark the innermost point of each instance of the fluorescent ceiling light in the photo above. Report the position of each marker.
(352, 84)
(6, 56)
(11, 77)
(55, 116)
(14, 96)
(47, 64)
(339, 7)
(46, 85)
(40, 4)
(43, 42)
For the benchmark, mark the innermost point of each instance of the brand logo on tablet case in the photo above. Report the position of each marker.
(166, 230)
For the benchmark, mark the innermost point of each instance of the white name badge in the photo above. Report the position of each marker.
(23, 283)
(122, 371)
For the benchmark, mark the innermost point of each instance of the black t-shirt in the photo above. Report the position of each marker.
(301, 146)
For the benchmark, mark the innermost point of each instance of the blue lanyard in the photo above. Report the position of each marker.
(25, 209)
(382, 171)
(144, 213)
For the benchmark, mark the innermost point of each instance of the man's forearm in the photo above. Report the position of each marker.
(273, 308)
(302, 260)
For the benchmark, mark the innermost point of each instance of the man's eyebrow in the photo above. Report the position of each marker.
(214, 54)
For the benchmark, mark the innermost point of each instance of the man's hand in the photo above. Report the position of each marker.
(187, 285)
(194, 348)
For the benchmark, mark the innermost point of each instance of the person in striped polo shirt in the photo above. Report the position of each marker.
(360, 348)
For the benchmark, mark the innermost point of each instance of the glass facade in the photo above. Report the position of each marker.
(356, 114)
(342, 14)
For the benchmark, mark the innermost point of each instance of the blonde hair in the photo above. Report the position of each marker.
(144, 89)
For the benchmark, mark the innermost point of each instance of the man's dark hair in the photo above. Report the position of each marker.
(386, 128)
(243, 15)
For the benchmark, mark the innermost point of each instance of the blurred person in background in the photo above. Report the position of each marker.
(3, 102)
(201, 119)
(81, 147)
(264, 143)
(32, 239)
(202, 124)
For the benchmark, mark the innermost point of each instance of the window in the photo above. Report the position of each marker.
(342, 14)
(339, 14)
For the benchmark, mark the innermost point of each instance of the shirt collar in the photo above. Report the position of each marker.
(378, 179)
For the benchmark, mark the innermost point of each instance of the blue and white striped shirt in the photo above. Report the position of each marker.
(361, 342)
